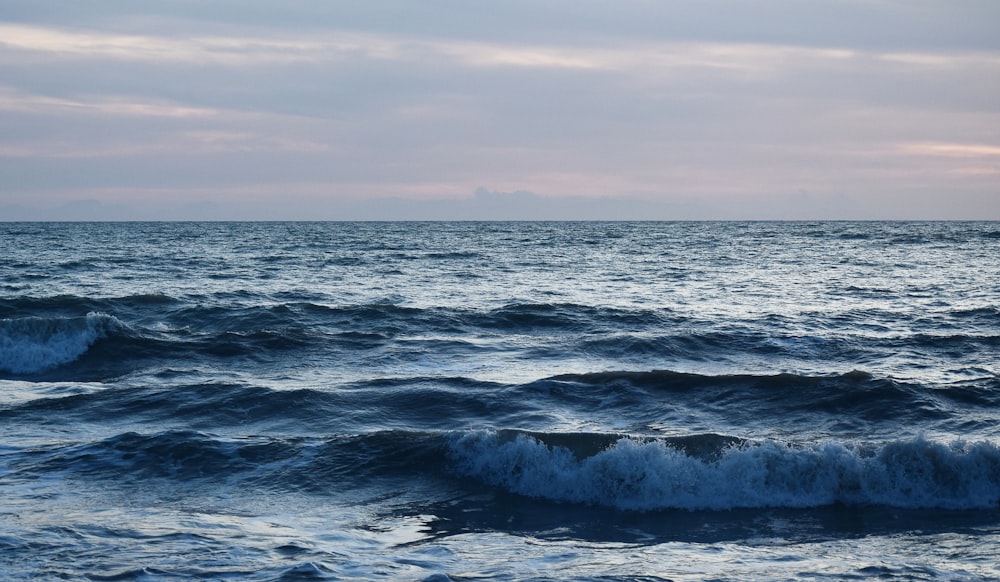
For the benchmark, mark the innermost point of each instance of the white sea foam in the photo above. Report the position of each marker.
(33, 344)
(647, 475)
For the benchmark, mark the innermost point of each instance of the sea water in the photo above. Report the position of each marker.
(499, 401)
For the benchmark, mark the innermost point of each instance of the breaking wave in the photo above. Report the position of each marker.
(35, 344)
(626, 473)
(715, 472)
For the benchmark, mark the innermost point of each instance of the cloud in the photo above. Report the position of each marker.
(66, 43)
(12, 100)
(334, 46)
(944, 60)
(953, 150)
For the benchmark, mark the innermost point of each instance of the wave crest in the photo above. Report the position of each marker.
(34, 344)
(651, 474)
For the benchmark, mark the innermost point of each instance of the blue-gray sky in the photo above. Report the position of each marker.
(500, 109)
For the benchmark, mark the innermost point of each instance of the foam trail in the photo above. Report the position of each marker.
(34, 344)
(651, 474)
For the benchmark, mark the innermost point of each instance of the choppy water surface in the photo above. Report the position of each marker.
(499, 401)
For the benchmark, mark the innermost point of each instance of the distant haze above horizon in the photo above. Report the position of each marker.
(582, 109)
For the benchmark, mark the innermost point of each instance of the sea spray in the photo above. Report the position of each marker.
(34, 344)
(652, 474)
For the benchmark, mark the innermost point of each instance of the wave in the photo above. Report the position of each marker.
(854, 399)
(619, 472)
(654, 474)
(315, 464)
(245, 311)
(569, 316)
(70, 305)
(34, 344)
(592, 331)
(425, 403)
(856, 402)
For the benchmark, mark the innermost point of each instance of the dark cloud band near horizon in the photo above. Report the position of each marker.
(720, 109)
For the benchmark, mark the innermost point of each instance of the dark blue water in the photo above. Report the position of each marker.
(283, 401)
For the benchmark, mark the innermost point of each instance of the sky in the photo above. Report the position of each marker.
(513, 109)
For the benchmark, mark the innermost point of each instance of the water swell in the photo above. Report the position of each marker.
(512, 318)
(569, 317)
(655, 474)
(176, 454)
(854, 396)
(425, 403)
(72, 305)
(315, 464)
(266, 328)
(855, 403)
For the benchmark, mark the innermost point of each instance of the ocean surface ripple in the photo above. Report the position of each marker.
(449, 401)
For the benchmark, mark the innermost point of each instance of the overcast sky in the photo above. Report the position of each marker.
(391, 109)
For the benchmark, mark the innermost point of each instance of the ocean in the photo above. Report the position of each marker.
(500, 401)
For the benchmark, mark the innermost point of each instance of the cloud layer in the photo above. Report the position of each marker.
(716, 109)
